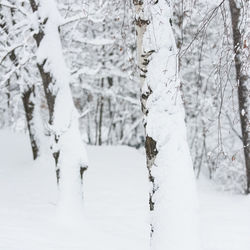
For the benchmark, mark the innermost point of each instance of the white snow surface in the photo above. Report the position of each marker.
(115, 206)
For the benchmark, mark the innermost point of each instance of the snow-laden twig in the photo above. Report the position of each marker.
(11, 6)
(10, 50)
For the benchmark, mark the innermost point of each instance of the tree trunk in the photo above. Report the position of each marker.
(28, 98)
(242, 78)
(172, 199)
(100, 115)
(67, 147)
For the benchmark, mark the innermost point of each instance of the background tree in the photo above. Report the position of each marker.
(17, 76)
(98, 43)
(241, 35)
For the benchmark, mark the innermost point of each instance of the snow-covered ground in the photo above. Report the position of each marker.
(116, 204)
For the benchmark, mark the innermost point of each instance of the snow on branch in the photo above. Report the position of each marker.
(11, 49)
(110, 93)
(78, 18)
(11, 6)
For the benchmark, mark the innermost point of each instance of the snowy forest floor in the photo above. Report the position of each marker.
(116, 204)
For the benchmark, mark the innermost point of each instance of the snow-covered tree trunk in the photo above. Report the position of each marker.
(67, 146)
(27, 94)
(172, 198)
(241, 36)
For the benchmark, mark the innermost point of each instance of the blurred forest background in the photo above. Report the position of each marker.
(99, 47)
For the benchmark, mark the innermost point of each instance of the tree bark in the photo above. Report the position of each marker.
(28, 98)
(242, 78)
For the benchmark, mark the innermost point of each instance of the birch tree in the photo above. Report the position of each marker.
(172, 198)
(241, 35)
(67, 147)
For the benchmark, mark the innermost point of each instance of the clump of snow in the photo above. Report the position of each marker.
(50, 48)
